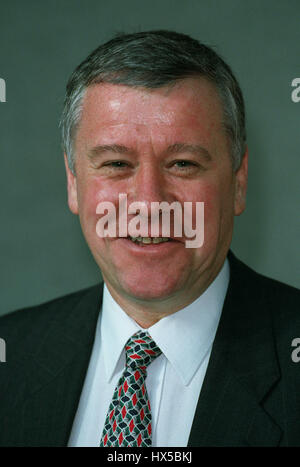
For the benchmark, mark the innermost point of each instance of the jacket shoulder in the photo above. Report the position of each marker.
(28, 324)
(269, 295)
(271, 289)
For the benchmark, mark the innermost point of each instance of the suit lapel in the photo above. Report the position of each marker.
(55, 377)
(242, 370)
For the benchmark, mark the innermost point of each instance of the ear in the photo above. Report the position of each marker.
(72, 188)
(241, 178)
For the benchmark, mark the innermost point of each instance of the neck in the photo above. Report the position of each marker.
(148, 312)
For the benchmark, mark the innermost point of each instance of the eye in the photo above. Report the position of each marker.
(185, 168)
(184, 164)
(116, 164)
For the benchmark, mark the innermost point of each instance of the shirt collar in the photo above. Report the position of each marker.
(184, 337)
(116, 328)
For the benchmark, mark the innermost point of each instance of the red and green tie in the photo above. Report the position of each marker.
(128, 421)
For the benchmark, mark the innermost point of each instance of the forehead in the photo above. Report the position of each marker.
(189, 106)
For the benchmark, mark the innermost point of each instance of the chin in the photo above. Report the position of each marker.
(149, 289)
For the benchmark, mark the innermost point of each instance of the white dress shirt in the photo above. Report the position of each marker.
(174, 379)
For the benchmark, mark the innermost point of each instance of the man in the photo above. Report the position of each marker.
(158, 118)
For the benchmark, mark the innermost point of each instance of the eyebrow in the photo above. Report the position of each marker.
(196, 149)
(175, 148)
(116, 148)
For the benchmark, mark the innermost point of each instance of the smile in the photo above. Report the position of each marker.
(149, 240)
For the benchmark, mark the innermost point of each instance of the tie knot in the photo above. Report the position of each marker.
(141, 350)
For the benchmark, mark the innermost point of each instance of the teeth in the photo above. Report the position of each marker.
(149, 240)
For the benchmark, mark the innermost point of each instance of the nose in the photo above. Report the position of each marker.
(149, 184)
(152, 185)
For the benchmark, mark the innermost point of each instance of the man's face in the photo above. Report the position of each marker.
(127, 142)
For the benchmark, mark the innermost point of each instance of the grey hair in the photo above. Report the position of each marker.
(154, 59)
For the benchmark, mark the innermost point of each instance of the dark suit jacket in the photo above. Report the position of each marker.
(250, 395)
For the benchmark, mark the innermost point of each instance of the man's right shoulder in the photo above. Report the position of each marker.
(23, 321)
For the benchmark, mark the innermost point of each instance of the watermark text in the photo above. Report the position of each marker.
(161, 219)
(2, 90)
(296, 92)
(296, 352)
(2, 350)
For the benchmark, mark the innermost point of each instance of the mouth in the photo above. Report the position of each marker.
(144, 241)
(149, 247)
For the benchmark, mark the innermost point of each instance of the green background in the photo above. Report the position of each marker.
(43, 253)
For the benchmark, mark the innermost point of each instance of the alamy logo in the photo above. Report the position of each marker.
(2, 90)
(296, 352)
(2, 350)
(133, 221)
(296, 92)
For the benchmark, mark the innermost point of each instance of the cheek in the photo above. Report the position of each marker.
(211, 212)
(93, 191)
(218, 207)
(208, 193)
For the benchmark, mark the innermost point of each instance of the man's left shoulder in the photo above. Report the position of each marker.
(283, 301)
(280, 293)
(269, 295)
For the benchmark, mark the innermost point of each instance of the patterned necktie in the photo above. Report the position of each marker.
(128, 420)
